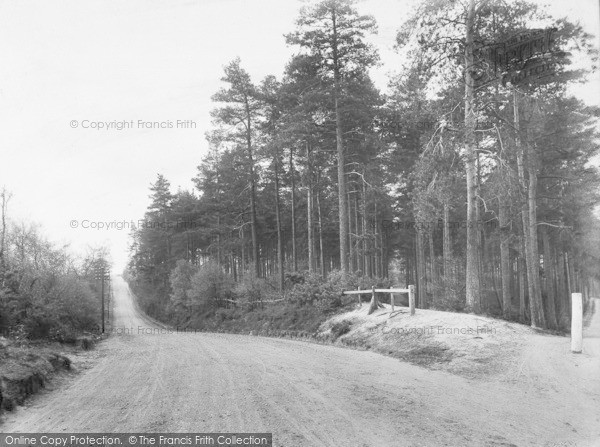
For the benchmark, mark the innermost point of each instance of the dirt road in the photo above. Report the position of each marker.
(309, 394)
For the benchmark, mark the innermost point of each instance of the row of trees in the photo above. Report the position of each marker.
(489, 210)
(45, 292)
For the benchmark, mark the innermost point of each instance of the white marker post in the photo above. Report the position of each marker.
(411, 299)
(576, 323)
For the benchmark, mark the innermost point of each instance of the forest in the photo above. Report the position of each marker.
(474, 176)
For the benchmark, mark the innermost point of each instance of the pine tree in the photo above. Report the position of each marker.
(333, 30)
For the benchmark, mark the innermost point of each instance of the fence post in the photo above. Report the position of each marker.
(392, 301)
(358, 295)
(411, 299)
(576, 323)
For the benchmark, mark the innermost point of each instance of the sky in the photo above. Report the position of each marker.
(71, 66)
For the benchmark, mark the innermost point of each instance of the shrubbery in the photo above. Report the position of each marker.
(181, 283)
(310, 300)
(44, 291)
(47, 305)
(205, 297)
(283, 316)
(325, 294)
(210, 286)
(197, 289)
(340, 328)
(250, 290)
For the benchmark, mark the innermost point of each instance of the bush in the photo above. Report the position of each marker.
(451, 291)
(11, 304)
(210, 286)
(252, 290)
(340, 328)
(294, 278)
(305, 292)
(60, 307)
(268, 320)
(181, 282)
(325, 294)
(223, 314)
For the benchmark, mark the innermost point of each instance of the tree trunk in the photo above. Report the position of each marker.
(529, 219)
(522, 192)
(219, 261)
(4, 196)
(255, 250)
(447, 246)
(569, 281)
(243, 247)
(568, 274)
(473, 287)
(382, 258)
(505, 258)
(234, 267)
(481, 245)
(433, 280)
(293, 184)
(351, 252)
(320, 225)
(280, 254)
(521, 276)
(422, 282)
(341, 156)
(357, 256)
(561, 290)
(365, 244)
(375, 245)
(550, 307)
(343, 212)
(536, 305)
(309, 212)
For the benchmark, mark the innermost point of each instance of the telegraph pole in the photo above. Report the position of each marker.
(107, 278)
(102, 294)
(102, 274)
(109, 299)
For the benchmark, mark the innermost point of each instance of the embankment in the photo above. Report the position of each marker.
(27, 367)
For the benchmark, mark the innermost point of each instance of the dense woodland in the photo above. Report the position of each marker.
(479, 191)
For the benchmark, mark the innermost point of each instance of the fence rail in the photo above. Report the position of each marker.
(391, 291)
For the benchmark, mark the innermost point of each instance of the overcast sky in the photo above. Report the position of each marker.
(66, 64)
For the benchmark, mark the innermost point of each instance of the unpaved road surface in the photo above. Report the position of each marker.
(314, 395)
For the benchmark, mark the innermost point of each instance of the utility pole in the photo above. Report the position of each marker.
(102, 294)
(109, 298)
(107, 278)
(102, 274)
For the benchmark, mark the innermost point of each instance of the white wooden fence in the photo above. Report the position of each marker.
(373, 291)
